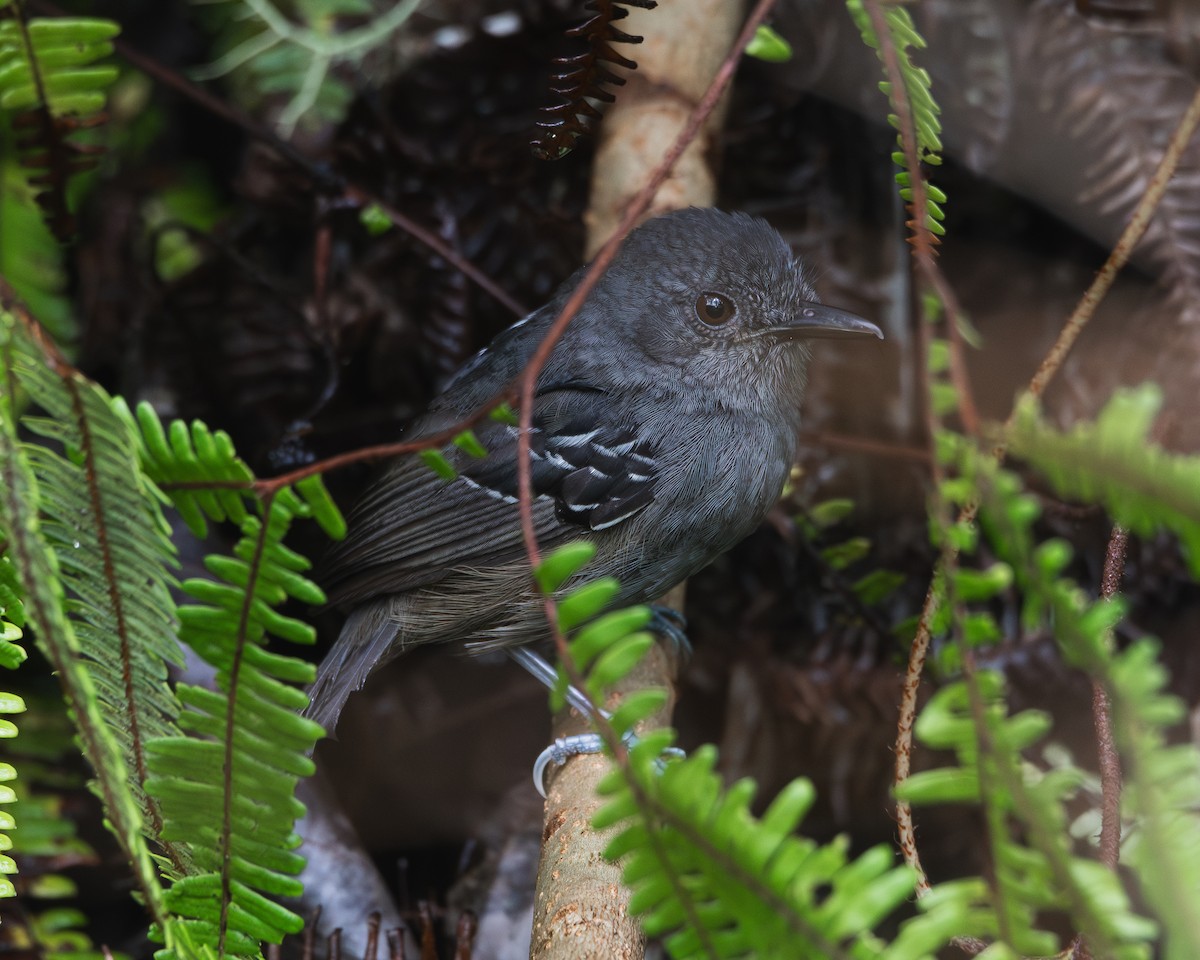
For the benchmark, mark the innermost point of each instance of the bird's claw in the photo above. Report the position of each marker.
(562, 749)
(671, 625)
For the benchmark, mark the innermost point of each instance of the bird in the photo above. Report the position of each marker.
(664, 426)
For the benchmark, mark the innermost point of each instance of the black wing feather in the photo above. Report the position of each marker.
(412, 528)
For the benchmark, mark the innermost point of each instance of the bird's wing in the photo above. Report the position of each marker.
(411, 529)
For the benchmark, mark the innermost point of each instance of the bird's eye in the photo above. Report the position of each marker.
(714, 309)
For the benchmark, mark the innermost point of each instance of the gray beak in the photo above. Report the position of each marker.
(816, 320)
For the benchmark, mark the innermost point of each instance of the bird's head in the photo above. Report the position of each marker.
(718, 302)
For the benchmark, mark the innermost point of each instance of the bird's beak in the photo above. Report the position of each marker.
(817, 320)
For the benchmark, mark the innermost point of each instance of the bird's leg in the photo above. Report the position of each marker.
(670, 625)
(562, 749)
(537, 666)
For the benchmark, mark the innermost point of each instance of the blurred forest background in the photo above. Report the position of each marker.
(223, 280)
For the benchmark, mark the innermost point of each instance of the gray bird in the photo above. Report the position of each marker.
(664, 427)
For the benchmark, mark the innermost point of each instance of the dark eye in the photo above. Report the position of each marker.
(714, 309)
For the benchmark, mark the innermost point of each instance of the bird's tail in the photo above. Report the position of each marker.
(366, 641)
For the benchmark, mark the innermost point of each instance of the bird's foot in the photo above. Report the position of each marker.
(667, 623)
(671, 625)
(562, 749)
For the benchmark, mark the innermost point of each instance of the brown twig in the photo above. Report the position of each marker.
(875, 448)
(380, 451)
(1138, 223)
(1109, 758)
(1053, 362)
(464, 935)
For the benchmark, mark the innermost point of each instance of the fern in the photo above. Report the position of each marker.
(104, 523)
(52, 82)
(227, 790)
(30, 257)
(583, 80)
(606, 647)
(85, 523)
(714, 880)
(1113, 461)
(768, 45)
(47, 836)
(1165, 779)
(42, 573)
(1028, 878)
(11, 655)
(917, 94)
(299, 60)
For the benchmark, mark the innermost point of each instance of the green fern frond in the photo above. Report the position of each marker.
(11, 655)
(47, 834)
(299, 60)
(1113, 461)
(1164, 795)
(104, 523)
(228, 789)
(32, 552)
(604, 647)
(56, 64)
(715, 881)
(198, 468)
(30, 258)
(53, 83)
(1036, 876)
(918, 93)
(1165, 779)
(62, 932)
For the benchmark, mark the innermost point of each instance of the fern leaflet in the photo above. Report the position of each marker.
(11, 655)
(1113, 461)
(301, 59)
(41, 573)
(228, 789)
(53, 80)
(105, 524)
(902, 35)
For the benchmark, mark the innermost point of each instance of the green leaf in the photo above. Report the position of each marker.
(768, 45)
(375, 219)
(556, 569)
(586, 602)
(636, 707)
(973, 585)
(615, 663)
(830, 513)
(842, 555)
(469, 444)
(505, 414)
(877, 586)
(605, 631)
(1114, 462)
(436, 461)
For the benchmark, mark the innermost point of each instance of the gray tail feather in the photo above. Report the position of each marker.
(366, 641)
